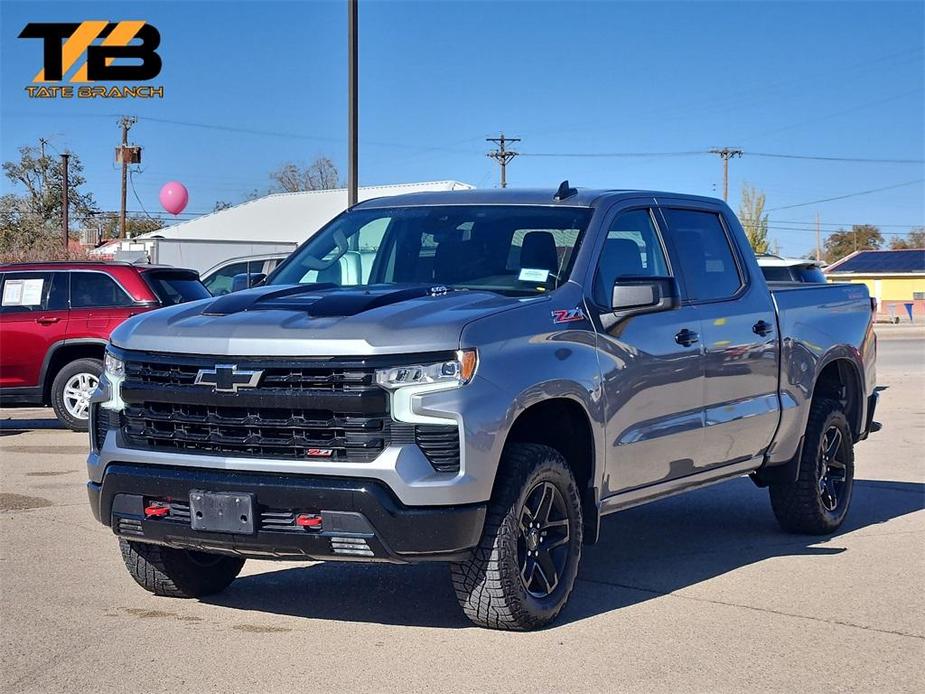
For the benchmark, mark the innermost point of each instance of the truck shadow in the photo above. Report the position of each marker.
(644, 553)
(11, 427)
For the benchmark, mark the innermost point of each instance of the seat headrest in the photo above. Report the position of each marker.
(539, 251)
(621, 257)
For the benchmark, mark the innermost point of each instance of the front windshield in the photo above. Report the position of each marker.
(509, 249)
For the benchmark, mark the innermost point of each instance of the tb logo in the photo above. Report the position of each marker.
(64, 43)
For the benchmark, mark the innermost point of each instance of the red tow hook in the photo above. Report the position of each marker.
(156, 509)
(312, 521)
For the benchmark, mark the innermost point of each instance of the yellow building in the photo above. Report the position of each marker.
(895, 278)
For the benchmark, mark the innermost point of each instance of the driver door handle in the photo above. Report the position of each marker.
(47, 320)
(686, 337)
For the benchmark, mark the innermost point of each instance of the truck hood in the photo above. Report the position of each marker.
(313, 321)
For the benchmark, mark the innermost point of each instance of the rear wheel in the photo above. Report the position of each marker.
(523, 570)
(71, 391)
(178, 573)
(816, 503)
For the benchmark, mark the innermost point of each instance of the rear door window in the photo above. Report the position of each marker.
(22, 292)
(176, 287)
(705, 255)
(96, 290)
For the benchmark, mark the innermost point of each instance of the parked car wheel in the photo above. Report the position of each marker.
(71, 391)
(816, 503)
(523, 570)
(178, 573)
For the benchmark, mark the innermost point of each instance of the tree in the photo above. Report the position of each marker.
(754, 219)
(221, 205)
(914, 239)
(134, 225)
(861, 237)
(321, 174)
(30, 222)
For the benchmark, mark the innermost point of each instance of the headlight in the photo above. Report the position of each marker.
(113, 366)
(458, 371)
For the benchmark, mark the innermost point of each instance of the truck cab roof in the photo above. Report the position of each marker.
(581, 197)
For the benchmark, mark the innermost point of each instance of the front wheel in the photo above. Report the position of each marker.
(523, 570)
(178, 573)
(816, 503)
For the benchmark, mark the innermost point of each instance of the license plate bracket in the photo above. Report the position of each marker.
(222, 512)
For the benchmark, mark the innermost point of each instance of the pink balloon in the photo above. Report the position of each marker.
(174, 197)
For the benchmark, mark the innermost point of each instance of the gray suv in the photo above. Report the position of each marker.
(477, 377)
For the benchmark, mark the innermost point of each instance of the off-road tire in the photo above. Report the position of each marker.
(489, 585)
(799, 504)
(78, 366)
(178, 573)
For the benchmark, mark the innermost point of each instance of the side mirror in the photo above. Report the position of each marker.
(246, 281)
(633, 295)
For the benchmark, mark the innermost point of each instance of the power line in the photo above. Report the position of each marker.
(864, 160)
(131, 178)
(614, 154)
(849, 195)
(841, 224)
(732, 151)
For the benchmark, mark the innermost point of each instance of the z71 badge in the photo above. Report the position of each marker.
(567, 315)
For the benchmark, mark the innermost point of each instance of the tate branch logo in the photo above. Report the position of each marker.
(96, 52)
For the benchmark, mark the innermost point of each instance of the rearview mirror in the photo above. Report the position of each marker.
(246, 280)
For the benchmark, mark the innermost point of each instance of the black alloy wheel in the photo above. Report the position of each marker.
(542, 548)
(833, 472)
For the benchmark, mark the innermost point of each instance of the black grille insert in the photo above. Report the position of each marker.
(440, 443)
(324, 410)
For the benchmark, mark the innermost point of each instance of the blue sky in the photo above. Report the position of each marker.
(260, 83)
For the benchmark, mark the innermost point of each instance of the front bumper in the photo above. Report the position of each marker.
(362, 519)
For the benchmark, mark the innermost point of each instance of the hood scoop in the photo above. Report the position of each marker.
(325, 300)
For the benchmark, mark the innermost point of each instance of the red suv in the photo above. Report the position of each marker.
(55, 321)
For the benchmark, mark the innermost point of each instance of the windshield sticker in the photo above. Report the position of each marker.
(567, 315)
(529, 274)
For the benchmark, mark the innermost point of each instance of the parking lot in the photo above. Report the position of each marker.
(699, 592)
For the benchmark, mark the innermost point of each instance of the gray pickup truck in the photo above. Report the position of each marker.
(477, 377)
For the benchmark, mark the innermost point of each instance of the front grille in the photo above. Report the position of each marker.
(440, 443)
(329, 410)
(256, 432)
(319, 378)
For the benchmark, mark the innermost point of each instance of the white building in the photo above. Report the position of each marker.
(285, 216)
(255, 234)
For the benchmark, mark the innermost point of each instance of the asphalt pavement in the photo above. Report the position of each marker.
(700, 592)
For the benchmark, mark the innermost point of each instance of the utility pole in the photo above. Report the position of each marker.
(64, 199)
(352, 113)
(726, 153)
(126, 122)
(818, 240)
(42, 143)
(502, 155)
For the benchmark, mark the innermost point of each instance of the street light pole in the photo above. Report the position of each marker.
(352, 115)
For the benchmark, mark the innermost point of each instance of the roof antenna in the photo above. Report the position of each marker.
(564, 191)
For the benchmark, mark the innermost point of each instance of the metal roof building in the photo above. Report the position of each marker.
(285, 216)
(895, 278)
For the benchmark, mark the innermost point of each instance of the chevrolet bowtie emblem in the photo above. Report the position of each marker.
(226, 378)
